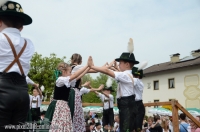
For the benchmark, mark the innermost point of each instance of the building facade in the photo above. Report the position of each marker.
(177, 79)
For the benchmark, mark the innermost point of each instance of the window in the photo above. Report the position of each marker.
(156, 85)
(156, 101)
(171, 83)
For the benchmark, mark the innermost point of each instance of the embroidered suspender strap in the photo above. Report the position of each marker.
(109, 102)
(119, 90)
(37, 102)
(16, 56)
(31, 102)
(132, 81)
(106, 101)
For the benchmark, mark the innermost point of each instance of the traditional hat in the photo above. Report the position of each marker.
(42, 113)
(128, 56)
(97, 124)
(139, 71)
(136, 72)
(14, 9)
(109, 85)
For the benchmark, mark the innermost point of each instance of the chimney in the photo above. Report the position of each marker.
(195, 53)
(175, 58)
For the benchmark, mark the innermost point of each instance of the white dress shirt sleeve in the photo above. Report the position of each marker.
(61, 81)
(29, 81)
(135, 81)
(39, 100)
(111, 97)
(122, 77)
(76, 68)
(73, 83)
(84, 90)
(101, 96)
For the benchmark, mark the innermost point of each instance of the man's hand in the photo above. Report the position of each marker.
(36, 85)
(101, 87)
(111, 63)
(90, 61)
(86, 84)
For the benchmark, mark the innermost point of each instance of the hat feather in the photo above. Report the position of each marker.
(109, 82)
(142, 65)
(2, 2)
(130, 46)
(42, 88)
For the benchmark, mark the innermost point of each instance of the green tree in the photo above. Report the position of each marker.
(85, 78)
(42, 71)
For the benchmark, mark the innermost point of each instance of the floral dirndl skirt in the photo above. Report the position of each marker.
(78, 118)
(59, 116)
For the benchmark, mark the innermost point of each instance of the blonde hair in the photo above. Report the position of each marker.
(165, 123)
(76, 58)
(63, 66)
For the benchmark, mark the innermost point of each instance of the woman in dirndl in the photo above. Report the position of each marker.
(75, 98)
(58, 113)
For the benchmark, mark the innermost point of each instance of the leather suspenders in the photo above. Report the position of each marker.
(16, 60)
(106, 101)
(119, 88)
(34, 102)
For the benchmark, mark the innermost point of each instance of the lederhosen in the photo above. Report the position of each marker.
(108, 115)
(35, 112)
(14, 97)
(127, 111)
(140, 115)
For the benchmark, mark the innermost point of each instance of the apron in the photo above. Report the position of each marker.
(78, 118)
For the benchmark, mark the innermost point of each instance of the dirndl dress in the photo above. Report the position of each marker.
(58, 114)
(78, 116)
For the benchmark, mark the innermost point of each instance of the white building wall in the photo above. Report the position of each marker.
(186, 91)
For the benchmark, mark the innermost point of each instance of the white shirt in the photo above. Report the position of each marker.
(29, 81)
(61, 81)
(84, 91)
(106, 104)
(125, 83)
(6, 54)
(116, 126)
(138, 88)
(97, 130)
(33, 98)
(76, 68)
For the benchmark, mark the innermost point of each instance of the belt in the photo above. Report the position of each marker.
(34, 101)
(138, 100)
(108, 108)
(12, 74)
(132, 96)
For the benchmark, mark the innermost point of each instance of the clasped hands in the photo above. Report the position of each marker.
(112, 65)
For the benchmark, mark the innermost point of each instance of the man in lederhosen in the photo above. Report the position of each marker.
(108, 114)
(125, 90)
(35, 103)
(15, 56)
(139, 87)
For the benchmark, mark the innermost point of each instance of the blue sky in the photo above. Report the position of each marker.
(102, 28)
